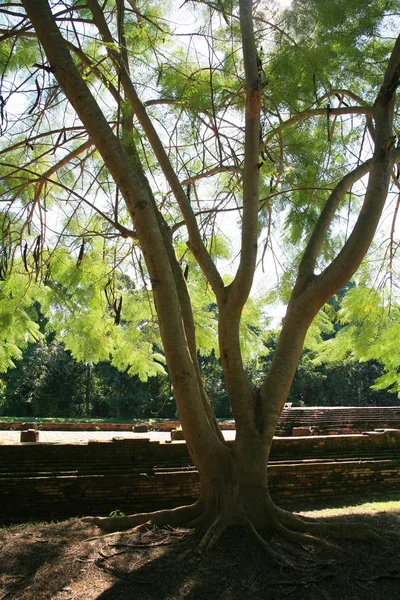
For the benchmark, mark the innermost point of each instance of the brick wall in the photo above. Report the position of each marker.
(60, 480)
(332, 420)
(338, 419)
(48, 426)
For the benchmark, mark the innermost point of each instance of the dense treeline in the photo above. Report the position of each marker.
(48, 382)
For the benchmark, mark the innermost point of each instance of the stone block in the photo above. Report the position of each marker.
(301, 431)
(29, 435)
(177, 434)
(29, 425)
(141, 428)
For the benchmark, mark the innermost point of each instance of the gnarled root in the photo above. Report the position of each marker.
(266, 546)
(175, 517)
(212, 535)
(293, 535)
(278, 522)
(334, 531)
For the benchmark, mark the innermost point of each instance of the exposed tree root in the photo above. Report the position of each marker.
(289, 526)
(209, 539)
(349, 531)
(174, 516)
(299, 537)
(212, 535)
(203, 520)
(335, 531)
(277, 556)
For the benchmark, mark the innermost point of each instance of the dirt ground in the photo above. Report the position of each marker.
(70, 561)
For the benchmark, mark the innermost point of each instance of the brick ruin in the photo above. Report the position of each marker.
(44, 480)
(337, 420)
(293, 421)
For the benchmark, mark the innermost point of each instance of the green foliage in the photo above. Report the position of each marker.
(322, 51)
(127, 397)
(19, 53)
(17, 317)
(369, 331)
(44, 382)
(331, 383)
(117, 513)
(335, 41)
(93, 288)
(99, 317)
(48, 382)
(215, 385)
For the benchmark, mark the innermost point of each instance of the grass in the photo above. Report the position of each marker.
(74, 420)
(391, 503)
(86, 420)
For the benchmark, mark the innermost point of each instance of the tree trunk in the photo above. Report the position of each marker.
(88, 389)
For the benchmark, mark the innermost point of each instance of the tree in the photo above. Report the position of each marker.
(369, 320)
(45, 382)
(332, 371)
(127, 397)
(48, 382)
(248, 116)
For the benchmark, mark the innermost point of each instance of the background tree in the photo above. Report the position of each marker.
(369, 320)
(264, 129)
(330, 373)
(48, 382)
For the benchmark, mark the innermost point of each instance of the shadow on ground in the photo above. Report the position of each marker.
(62, 561)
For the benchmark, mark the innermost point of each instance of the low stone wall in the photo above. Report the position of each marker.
(293, 421)
(329, 481)
(66, 496)
(60, 480)
(141, 454)
(336, 420)
(50, 426)
(371, 444)
(291, 485)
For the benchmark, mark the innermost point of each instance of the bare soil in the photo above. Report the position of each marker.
(70, 560)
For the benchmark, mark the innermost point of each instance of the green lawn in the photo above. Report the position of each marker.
(59, 420)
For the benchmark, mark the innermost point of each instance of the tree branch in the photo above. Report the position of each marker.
(305, 302)
(242, 283)
(315, 112)
(385, 155)
(129, 176)
(231, 305)
(318, 236)
(30, 140)
(195, 243)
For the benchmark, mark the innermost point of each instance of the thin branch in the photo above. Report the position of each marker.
(29, 140)
(124, 231)
(242, 283)
(195, 243)
(315, 112)
(46, 176)
(231, 304)
(313, 248)
(127, 233)
(211, 172)
(385, 155)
